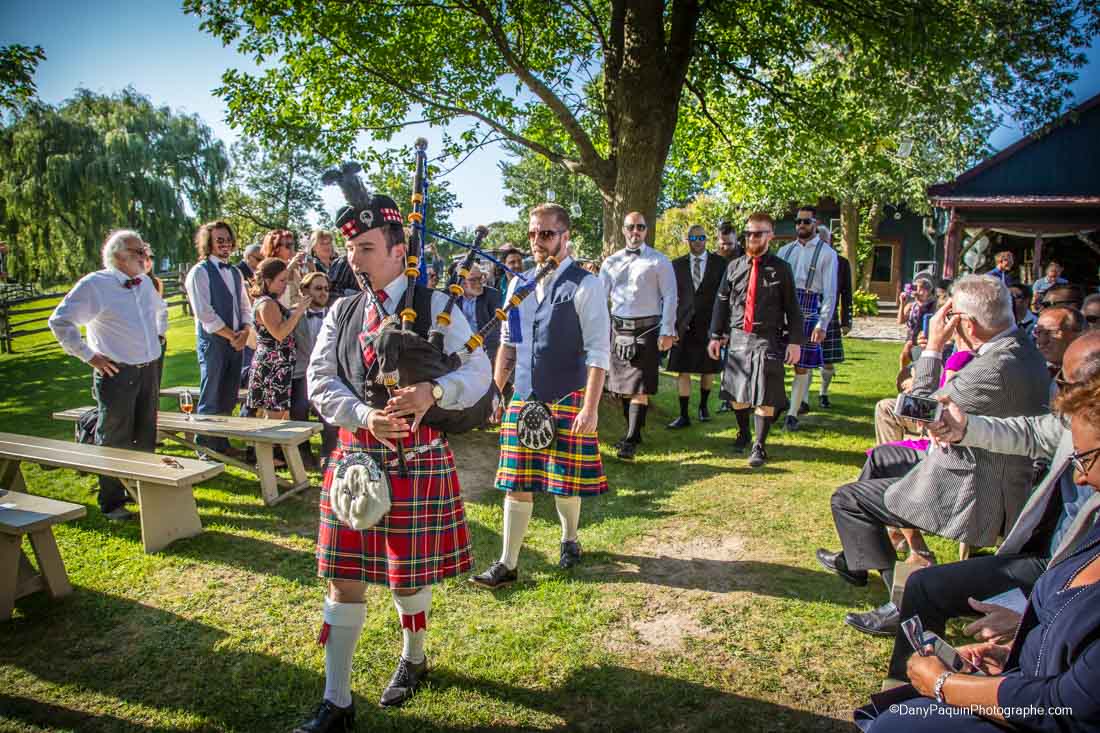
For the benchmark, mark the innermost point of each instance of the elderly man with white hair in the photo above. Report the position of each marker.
(966, 494)
(124, 318)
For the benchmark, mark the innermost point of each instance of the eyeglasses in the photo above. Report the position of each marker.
(543, 234)
(1039, 331)
(804, 221)
(697, 237)
(1019, 296)
(1062, 382)
(632, 227)
(750, 233)
(223, 240)
(1083, 461)
(951, 314)
(140, 254)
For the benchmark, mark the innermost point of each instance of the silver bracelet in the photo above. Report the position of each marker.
(937, 689)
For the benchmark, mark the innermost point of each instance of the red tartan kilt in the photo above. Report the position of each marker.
(421, 541)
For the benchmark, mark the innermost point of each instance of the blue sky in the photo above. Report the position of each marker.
(105, 45)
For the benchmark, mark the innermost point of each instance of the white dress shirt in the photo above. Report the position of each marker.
(590, 303)
(799, 256)
(641, 285)
(338, 405)
(198, 292)
(124, 324)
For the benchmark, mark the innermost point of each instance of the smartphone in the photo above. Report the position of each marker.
(919, 638)
(922, 409)
(925, 322)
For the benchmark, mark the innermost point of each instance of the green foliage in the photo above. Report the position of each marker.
(864, 303)
(70, 174)
(17, 67)
(672, 228)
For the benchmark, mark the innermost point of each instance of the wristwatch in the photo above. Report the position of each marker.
(437, 390)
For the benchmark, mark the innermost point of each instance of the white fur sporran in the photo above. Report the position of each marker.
(360, 491)
(535, 426)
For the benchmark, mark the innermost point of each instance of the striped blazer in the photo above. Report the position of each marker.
(971, 494)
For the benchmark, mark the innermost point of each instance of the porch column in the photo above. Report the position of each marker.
(1036, 259)
(951, 243)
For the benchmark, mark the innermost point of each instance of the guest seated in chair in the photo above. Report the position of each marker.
(1046, 680)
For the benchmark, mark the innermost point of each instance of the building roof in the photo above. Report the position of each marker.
(1057, 166)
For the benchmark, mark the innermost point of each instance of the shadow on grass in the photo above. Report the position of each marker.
(614, 698)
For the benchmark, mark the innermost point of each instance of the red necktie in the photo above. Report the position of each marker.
(373, 322)
(750, 297)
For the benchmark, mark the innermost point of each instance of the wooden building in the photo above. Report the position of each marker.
(1038, 198)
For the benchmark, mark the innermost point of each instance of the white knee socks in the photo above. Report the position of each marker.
(412, 613)
(800, 386)
(517, 515)
(569, 512)
(343, 624)
(827, 373)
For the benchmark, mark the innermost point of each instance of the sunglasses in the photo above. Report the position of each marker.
(697, 237)
(803, 221)
(632, 227)
(750, 233)
(1054, 303)
(1091, 320)
(1083, 461)
(544, 234)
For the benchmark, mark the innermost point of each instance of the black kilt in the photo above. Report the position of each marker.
(832, 349)
(753, 373)
(689, 356)
(640, 374)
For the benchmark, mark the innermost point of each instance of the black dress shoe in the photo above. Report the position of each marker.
(758, 456)
(329, 719)
(627, 450)
(725, 407)
(834, 563)
(680, 422)
(883, 621)
(120, 514)
(791, 424)
(823, 400)
(741, 443)
(704, 414)
(570, 554)
(497, 576)
(406, 679)
(804, 408)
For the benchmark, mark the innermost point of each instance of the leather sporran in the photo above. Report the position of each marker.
(535, 426)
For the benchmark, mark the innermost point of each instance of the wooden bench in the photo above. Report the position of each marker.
(261, 433)
(163, 491)
(23, 514)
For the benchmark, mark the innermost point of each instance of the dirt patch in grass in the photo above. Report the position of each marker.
(669, 632)
(476, 456)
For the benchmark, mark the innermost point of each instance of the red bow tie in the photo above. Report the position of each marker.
(131, 283)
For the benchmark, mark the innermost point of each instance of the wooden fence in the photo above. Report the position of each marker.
(16, 321)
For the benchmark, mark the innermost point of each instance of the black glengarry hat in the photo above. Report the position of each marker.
(363, 211)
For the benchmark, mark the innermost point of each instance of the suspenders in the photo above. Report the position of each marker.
(813, 266)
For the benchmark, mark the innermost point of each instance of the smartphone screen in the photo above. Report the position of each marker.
(924, 409)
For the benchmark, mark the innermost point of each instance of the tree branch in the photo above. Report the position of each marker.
(706, 112)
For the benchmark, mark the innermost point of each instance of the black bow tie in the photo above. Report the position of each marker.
(630, 251)
(315, 314)
(224, 265)
(131, 283)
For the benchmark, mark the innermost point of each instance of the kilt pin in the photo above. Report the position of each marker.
(421, 541)
(570, 466)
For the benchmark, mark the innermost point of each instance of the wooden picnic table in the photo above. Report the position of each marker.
(261, 433)
(22, 514)
(163, 491)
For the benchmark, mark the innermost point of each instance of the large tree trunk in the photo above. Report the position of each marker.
(849, 224)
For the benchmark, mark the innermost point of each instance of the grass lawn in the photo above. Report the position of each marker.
(698, 606)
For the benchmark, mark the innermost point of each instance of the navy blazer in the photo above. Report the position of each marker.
(1066, 671)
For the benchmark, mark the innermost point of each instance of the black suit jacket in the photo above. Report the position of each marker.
(844, 291)
(487, 304)
(342, 278)
(694, 307)
(245, 270)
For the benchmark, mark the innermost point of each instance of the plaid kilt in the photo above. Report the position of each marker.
(810, 303)
(572, 466)
(422, 540)
(832, 348)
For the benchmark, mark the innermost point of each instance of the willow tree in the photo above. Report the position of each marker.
(69, 174)
(520, 71)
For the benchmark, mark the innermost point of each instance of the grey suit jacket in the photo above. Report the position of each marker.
(1046, 436)
(972, 494)
(303, 346)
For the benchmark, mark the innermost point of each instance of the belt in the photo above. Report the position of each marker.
(140, 366)
(634, 323)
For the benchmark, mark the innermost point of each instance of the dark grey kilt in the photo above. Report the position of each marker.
(753, 373)
(832, 349)
(689, 356)
(640, 374)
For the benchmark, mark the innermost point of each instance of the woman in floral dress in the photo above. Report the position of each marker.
(273, 364)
